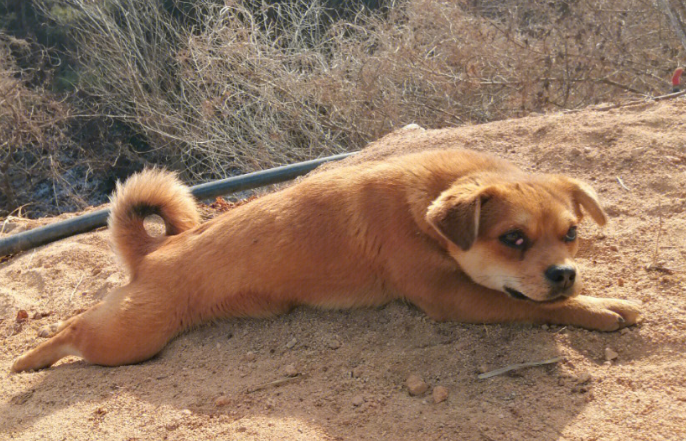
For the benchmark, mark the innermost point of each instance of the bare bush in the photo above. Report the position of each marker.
(31, 125)
(227, 95)
(226, 87)
(675, 10)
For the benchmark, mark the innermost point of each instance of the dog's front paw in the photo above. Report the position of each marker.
(604, 314)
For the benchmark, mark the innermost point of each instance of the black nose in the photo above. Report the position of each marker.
(560, 276)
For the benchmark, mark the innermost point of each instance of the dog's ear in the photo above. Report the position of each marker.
(584, 196)
(456, 212)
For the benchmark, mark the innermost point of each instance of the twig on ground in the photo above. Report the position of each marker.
(660, 268)
(514, 367)
(622, 184)
(274, 383)
(656, 252)
(647, 100)
(28, 263)
(631, 103)
(76, 287)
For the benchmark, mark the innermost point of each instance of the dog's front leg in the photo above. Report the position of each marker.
(451, 297)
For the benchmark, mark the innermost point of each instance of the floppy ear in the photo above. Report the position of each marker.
(583, 195)
(455, 214)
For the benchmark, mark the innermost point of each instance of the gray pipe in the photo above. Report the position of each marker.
(87, 222)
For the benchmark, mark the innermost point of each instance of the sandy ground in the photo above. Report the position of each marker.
(229, 380)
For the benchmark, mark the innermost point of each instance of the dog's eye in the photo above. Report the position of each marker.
(571, 234)
(514, 239)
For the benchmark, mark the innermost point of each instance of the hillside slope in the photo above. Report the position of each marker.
(353, 364)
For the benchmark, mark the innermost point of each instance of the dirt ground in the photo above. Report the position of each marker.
(340, 375)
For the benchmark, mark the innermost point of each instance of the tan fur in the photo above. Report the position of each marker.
(422, 227)
(150, 192)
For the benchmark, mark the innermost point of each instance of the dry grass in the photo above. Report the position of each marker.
(31, 124)
(238, 86)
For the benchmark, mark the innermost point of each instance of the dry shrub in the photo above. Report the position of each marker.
(235, 86)
(443, 63)
(31, 126)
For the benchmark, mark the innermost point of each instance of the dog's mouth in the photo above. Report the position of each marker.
(515, 294)
(520, 296)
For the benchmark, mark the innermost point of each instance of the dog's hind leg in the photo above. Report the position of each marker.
(47, 353)
(123, 329)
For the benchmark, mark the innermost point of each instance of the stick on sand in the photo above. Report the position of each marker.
(514, 367)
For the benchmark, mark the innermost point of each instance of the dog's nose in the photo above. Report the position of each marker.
(561, 276)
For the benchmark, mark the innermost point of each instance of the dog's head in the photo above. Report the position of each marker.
(519, 237)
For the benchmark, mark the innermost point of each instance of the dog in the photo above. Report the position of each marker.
(462, 235)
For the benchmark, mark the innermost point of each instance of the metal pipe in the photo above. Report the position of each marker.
(81, 224)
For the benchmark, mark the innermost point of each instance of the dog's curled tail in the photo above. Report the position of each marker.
(149, 192)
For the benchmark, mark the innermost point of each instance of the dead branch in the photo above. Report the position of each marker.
(514, 367)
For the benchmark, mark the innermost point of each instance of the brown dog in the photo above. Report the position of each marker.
(462, 235)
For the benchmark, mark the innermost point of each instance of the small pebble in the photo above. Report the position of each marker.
(610, 354)
(440, 394)
(620, 282)
(358, 400)
(186, 412)
(614, 248)
(250, 356)
(37, 316)
(290, 370)
(334, 344)
(22, 315)
(580, 389)
(415, 385)
(222, 401)
(292, 343)
(583, 378)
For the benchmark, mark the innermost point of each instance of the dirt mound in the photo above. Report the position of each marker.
(323, 375)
